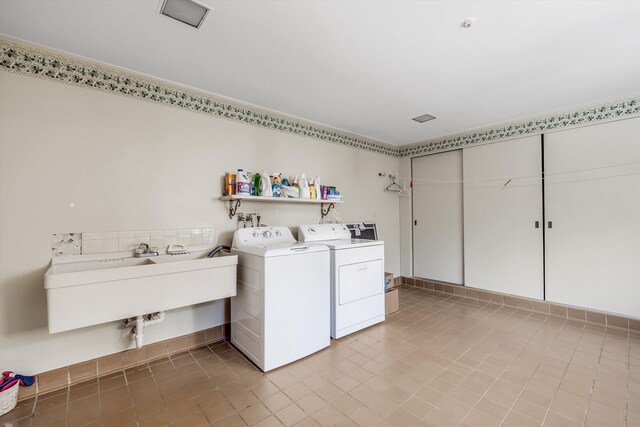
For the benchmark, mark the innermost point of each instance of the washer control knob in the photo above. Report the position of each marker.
(255, 234)
(312, 230)
(278, 233)
(267, 234)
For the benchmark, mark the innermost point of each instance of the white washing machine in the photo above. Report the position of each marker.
(357, 277)
(281, 311)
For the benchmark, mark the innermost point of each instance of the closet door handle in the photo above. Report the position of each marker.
(537, 224)
(549, 224)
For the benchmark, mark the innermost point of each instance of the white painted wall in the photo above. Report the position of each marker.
(406, 243)
(592, 195)
(131, 165)
(503, 249)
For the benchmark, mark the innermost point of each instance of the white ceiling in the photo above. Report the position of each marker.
(364, 66)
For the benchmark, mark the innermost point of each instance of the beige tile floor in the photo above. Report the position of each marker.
(440, 361)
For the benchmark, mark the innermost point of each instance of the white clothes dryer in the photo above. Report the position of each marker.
(357, 277)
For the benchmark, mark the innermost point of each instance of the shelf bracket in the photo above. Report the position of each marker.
(324, 212)
(233, 207)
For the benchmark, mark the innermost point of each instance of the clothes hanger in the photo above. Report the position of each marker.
(393, 187)
(405, 191)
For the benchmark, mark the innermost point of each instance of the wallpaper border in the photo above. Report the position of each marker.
(43, 63)
(25, 59)
(604, 112)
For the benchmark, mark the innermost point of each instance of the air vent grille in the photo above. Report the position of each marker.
(424, 118)
(186, 11)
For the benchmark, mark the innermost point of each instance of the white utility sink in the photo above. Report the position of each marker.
(84, 291)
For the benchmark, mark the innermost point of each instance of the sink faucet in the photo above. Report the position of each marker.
(143, 250)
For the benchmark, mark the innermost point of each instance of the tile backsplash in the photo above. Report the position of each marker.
(63, 244)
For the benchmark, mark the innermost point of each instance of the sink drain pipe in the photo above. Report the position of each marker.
(140, 322)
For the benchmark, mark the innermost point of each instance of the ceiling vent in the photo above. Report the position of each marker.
(188, 12)
(424, 118)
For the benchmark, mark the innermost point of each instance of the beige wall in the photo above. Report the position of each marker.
(130, 165)
(406, 229)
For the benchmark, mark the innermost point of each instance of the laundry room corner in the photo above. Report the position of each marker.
(106, 170)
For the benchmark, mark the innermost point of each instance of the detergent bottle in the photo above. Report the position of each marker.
(256, 184)
(250, 175)
(265, 185)
(242, 183)
(276, 188)
(318, 187)
(312, 188)
(304, 187)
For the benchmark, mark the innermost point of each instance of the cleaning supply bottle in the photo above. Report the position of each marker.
(256, 184)
(265, 185)
(250, 175)
(312, 188)
(304, 187)
(229, 184)
(295, 181)
(242, 183)
(318, 186)
(276, 188)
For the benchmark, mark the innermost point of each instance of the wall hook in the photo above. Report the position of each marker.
(233, 207)
(324, 211)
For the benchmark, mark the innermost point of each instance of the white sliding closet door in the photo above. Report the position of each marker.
(503, 249)
(592, 198)
(437, 215)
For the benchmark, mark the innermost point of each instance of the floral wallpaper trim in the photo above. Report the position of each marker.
(589, 115)
(42, 63)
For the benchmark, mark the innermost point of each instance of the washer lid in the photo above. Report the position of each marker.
(350, 243)
(280, 249)
(320, 232)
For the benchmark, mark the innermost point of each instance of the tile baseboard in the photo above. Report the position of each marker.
(580, 314)
(67, 376)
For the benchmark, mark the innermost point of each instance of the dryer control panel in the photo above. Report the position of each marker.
(318, 232)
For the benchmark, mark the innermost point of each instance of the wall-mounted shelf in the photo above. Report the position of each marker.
(277, 199)
(235, 201)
